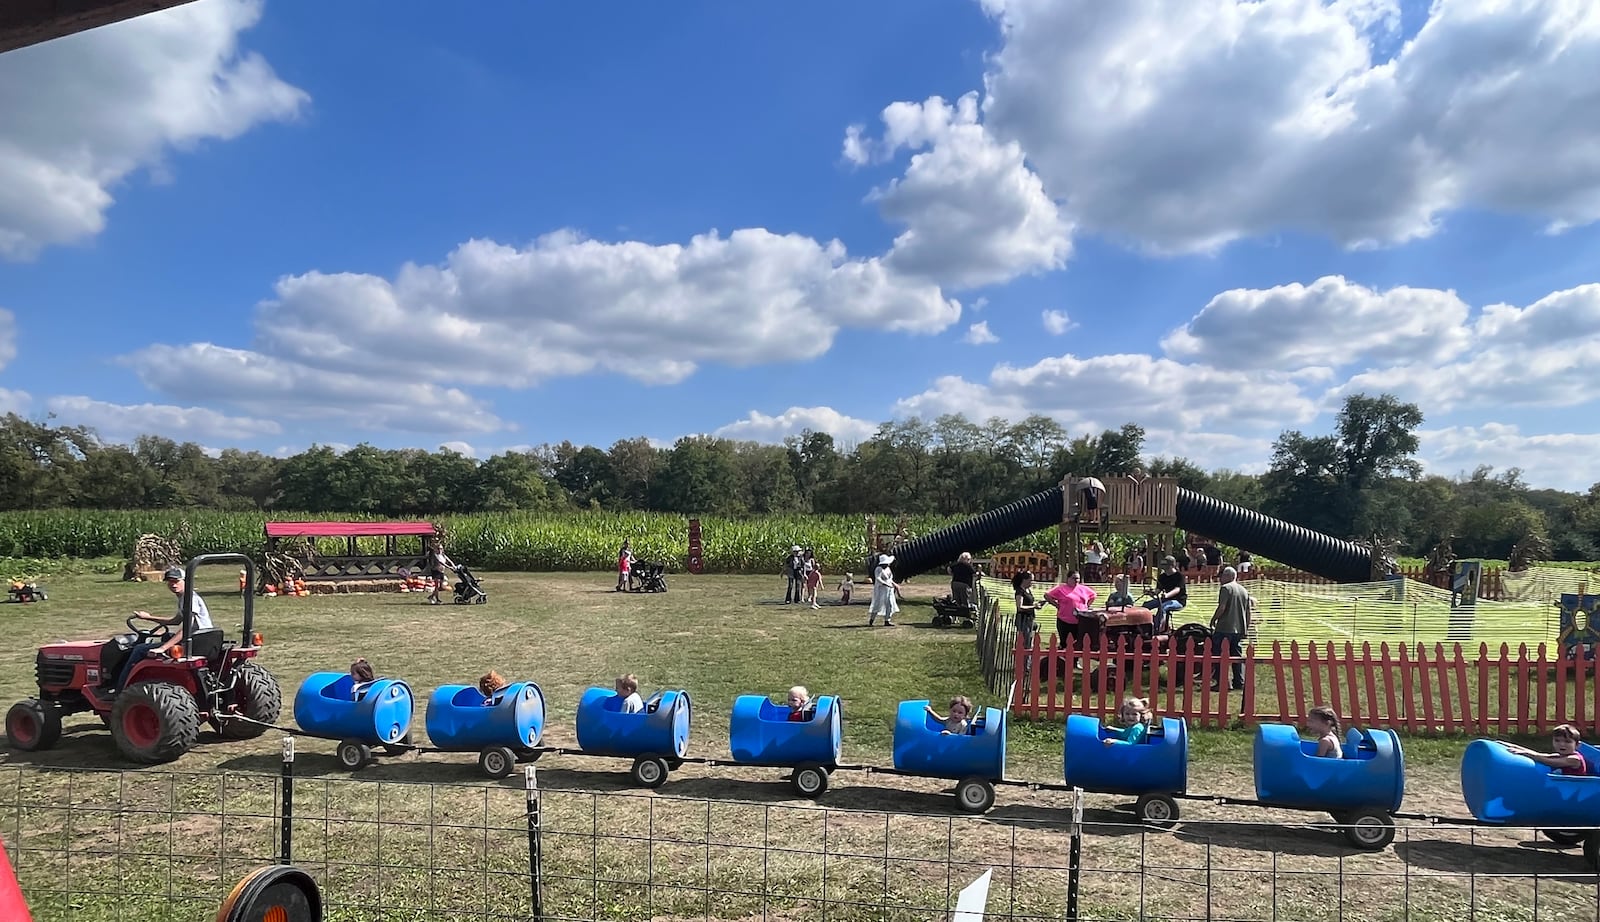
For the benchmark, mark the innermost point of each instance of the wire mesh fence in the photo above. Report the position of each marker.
(98, 846)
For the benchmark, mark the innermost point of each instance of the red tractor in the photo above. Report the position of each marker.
(154, 712)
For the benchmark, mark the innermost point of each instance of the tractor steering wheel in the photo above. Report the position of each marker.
(159, 631)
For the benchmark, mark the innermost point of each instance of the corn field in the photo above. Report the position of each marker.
(576, 541)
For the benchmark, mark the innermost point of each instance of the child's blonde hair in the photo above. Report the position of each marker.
(491, 682)
(628, 683)
(1325, 714)
(801, 691)
(1139, 705)
(962, 700)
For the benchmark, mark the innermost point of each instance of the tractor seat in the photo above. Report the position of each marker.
(207, 644)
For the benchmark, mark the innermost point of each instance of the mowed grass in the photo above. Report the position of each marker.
(425, 836)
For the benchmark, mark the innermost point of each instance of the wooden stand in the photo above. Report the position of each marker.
(1131, 505)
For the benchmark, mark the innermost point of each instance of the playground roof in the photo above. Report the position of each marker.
(346, 529)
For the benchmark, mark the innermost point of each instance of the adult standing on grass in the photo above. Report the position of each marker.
(883, 589)
(1229, 624)
(438, 560)
(794, 570)
(1073, 618)
(963, 579)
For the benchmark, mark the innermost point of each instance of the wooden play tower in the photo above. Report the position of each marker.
(1131, 505)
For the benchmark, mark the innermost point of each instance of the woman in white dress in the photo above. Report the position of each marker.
(883, 599)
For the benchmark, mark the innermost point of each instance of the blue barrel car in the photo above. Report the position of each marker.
(762, 733)
(1361, 791)
(1504, 788)
(1153, 769)
(378, 713)
(656, 738)
(502, 728)
(976, 758)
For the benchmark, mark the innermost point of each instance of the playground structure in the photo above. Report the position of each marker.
(1130, 505)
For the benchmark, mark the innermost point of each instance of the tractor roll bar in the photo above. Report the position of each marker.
(188, 592)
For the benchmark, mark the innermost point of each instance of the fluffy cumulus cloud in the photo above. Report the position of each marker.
(1057, 322)
(1563, 461)
(493, 314)
(759, 427)
(974, 213)
(122, 422)
(979, 334)
(1289, 326)
(79, 114)
(1534, 356)
(1184, 124)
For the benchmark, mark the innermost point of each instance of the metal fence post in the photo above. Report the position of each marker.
(530, 778)
(1075, 855)
(286, 830)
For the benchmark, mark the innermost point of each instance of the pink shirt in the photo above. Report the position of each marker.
(1071, 600)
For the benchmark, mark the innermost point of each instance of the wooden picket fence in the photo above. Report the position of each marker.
(1419, 689)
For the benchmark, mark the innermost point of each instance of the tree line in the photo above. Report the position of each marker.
(1359, 481)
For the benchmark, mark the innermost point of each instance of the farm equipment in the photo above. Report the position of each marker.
(155, 712)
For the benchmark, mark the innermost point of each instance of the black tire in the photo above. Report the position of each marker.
(649, 772)
(400, 748)
(155, 722)
(810, 779)
(257, 696)
(32, 725)
(1158, 810)
(1591, 851)
(975, 795)
(1369, 830)
(353, 754)
(1566, 838)
(497, 761)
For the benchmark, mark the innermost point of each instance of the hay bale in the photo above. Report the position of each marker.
(152, 554)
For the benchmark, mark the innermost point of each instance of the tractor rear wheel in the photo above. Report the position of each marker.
(155, 722)
(255, 695)
(32, 725)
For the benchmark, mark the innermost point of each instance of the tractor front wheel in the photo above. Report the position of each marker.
(155, 722)
(255, 695)
(32, 725)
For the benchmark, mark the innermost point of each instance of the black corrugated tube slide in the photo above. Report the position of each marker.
(1246, 529)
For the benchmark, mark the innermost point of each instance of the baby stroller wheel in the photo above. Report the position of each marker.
(483, 598)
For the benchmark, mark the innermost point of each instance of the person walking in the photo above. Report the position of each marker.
(1229, 625)
(883, 589)
(794, 568)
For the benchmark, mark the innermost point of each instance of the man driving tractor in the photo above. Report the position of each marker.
(202, 622)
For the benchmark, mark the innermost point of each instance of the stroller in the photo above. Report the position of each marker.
(947, 612)
(647, 577)
(468, 590)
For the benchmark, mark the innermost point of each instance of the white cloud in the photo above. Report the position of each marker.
(8, 337)
(1185, 124)
(979, 334)
(122, 423)
(1108, 390)
(759, 427)
(1533, 356)
(974, 213)
(14, 401)
(1562, 461)
(1057, 322)
(391, 400)
(1331, 322)
(81, 113)
(460, 448)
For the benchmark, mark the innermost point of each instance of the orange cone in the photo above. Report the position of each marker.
(13, 908)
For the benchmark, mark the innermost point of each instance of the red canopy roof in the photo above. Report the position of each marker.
(346, 529)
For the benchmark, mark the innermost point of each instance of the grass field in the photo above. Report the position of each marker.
(383, 837)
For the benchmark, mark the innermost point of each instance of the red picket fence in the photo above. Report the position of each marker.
(1418, 689)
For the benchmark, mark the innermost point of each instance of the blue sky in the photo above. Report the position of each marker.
(268, 225)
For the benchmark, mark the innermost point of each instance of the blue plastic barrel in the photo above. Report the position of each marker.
(1289, 773)
(920, 747)
(761, 733)
(327, 705)
(662, 728)
(458, 719)
(1159, 765)
(1500, 787)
